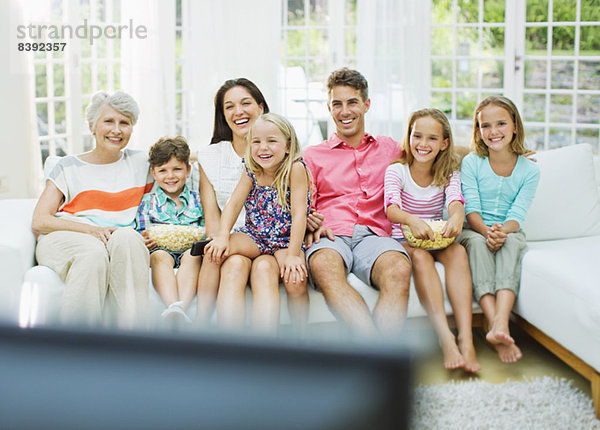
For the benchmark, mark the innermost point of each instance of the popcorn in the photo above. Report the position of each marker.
(439, 242)
(176, 238)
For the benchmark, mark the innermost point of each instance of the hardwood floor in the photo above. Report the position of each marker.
(537, 361)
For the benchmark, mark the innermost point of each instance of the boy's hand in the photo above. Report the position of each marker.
(150, 244)
(293, 268)
(453, 227)
(217, 249)
(421, 230)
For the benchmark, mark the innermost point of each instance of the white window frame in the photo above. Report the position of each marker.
(462, 126)
(521, 57)
(77, 136)
(182, 119)
(314, 94)
(514, 58)
(76, 131)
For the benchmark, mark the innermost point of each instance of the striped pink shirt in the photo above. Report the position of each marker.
(425, 202)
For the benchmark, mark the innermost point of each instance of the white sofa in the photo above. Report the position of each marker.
(33, 292)
(559, 301)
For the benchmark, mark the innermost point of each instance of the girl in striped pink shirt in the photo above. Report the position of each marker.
(419, 186)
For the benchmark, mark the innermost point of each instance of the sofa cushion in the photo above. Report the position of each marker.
(560, 293)
(597, 166)
(17, 244)
(566, 204)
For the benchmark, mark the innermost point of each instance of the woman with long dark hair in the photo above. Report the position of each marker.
(238, 103)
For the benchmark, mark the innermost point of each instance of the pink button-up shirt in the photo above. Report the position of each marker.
(349, 182)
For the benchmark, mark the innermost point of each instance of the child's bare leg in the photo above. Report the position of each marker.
(459, 288)
(207, 288)
(499, 333)
(488, 306)
(242, 244)
(264, 282)
(163, 276)
(498, 316)
(429, 290)
(297, 298)
(231, 296)
(187, 277)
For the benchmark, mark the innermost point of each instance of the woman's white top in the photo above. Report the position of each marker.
(223, 168)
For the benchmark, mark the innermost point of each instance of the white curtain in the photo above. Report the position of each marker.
(393, 54)
(20, 168)
(148, 68)
(230, 39)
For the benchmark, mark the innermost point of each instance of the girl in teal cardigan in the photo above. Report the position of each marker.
(498, 185)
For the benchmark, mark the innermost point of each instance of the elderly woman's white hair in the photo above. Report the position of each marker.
(119, 101)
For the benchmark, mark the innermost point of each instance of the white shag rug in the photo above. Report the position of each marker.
(541, 403)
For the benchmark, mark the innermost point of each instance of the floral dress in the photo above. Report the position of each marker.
(267, 223)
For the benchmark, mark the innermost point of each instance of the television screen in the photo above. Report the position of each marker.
(54, 378)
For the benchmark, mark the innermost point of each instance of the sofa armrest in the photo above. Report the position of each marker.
(17, 251)
(16, 233)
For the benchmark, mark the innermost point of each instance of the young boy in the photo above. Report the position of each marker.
(171, 203)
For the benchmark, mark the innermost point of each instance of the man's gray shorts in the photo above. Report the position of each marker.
(359, 252)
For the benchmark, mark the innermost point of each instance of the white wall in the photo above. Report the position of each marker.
(20, 170)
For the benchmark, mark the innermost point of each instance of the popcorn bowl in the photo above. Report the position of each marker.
(176, 238)
(440, 242)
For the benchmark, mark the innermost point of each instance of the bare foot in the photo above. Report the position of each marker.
(453, 359)
(508, 353)
(468, 352)
(499, 337)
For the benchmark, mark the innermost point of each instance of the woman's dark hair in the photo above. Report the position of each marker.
(221, 130)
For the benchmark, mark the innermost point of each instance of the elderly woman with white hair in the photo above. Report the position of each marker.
(85, 218)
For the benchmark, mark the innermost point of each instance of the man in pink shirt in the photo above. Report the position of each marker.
(348, 173)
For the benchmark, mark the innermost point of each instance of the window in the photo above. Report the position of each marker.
(561, 79)
(100, 61)
(468, 58)
(51, 92)
(545, 55)
(65, 80)
(316, 39)
(181, 92)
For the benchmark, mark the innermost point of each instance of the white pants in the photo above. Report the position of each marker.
(93, 271)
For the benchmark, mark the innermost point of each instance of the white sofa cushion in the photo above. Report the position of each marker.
(560, 293)
(597, 168)
(566, 204)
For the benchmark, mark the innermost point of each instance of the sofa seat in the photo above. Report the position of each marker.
(42, 292)
(319, 312)
(17, 245)
(556, 294)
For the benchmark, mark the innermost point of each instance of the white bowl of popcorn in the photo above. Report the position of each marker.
(176, 238)
(440, 242)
